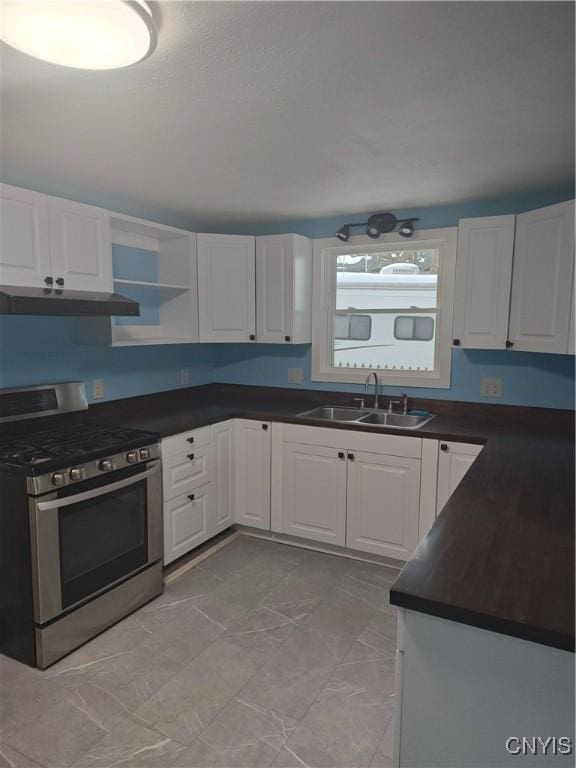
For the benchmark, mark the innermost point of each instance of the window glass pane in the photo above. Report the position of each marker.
(383, 287)
(417, 327)
(352, 326)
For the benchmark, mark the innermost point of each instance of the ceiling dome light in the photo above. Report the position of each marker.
(87, 34)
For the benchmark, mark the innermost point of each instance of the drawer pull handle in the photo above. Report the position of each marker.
(190, 456)
(443, 447)
(190, 439)
(191, 496)
(264, 427)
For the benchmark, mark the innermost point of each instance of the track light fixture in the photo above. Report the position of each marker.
(406, 228)
(379, 224)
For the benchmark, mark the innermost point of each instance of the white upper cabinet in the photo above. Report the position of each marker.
(283, 289)
(25, 242)
(50, 241)
(483, 279)
(542, 279)
(226, 288)
(383, 504)
(81, 253)
(454, 460)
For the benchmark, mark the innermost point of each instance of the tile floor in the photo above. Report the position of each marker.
(262, 655)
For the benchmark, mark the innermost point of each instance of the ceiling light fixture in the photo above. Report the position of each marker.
(86, 34)
(379, 224)
(406, 228)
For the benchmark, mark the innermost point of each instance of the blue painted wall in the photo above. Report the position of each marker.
(36, 350)
(527, 378)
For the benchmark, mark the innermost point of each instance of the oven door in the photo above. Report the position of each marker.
(93, 535)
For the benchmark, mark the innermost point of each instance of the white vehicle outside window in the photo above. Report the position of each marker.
(384, 306)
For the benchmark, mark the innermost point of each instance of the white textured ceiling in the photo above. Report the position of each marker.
(255, 111)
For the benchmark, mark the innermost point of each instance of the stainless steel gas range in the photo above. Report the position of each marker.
(80, 522)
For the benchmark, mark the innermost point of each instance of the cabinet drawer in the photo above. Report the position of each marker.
(349, 440)
(187, 522)
(185, 441)
(185, 471)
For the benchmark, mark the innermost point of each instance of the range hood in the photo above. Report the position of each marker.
(19, 300)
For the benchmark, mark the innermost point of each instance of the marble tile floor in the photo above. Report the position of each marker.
(262, 655)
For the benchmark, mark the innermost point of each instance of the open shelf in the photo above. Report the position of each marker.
(156, 266)
(157, 286)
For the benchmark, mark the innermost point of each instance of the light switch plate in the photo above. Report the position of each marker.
(294, 375)
(490, 387)
(97, 388)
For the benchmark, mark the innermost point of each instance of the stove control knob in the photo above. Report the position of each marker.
(132, 457)
(144, 454)
(106, 465)
(76, 473)
(58, 478)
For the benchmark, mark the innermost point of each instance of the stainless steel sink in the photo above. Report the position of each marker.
(334, 413)
(370, 418)
(397, 420)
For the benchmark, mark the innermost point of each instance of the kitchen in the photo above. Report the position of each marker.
(287, 470)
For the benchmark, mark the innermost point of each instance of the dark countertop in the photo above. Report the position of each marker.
(500, 556)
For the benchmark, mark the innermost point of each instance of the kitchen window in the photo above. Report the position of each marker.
(384, 305)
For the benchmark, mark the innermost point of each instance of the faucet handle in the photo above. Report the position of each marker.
(391, 403)
(359, 400)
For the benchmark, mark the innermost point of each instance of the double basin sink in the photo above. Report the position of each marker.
(374, 418)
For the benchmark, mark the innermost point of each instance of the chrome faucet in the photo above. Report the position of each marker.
(376, 387)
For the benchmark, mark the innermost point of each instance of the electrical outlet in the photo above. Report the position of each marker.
(184, 376)
(97, 388)
(294, 375)
(491, 387)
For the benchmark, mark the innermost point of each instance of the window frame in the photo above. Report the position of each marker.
(324, 301)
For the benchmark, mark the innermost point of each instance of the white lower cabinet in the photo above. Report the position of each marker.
(252, 473)
(454, 460)
(186, 522)
(222, 446)
(383, 504)
(314, 492)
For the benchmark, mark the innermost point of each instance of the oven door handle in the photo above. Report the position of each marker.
(43, 506)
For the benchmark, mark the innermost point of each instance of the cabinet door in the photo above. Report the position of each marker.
(274, 289)
(186, 522)
(314, 493)
(454, 460)
(252, 473)
(80, 245)
(483, 279)
(24, 237)
(226, 288)
(542, 279)
(222, 446)
(383, 504)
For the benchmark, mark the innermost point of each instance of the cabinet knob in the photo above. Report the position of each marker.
(287, 338)
(49, 280)
(443, 447)
(456, 342)
(191, 456)
(252, 337)
(351, 457)
(59, 281)
(341, 455)
(191, 496)
(264, 427)
(509, 343)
